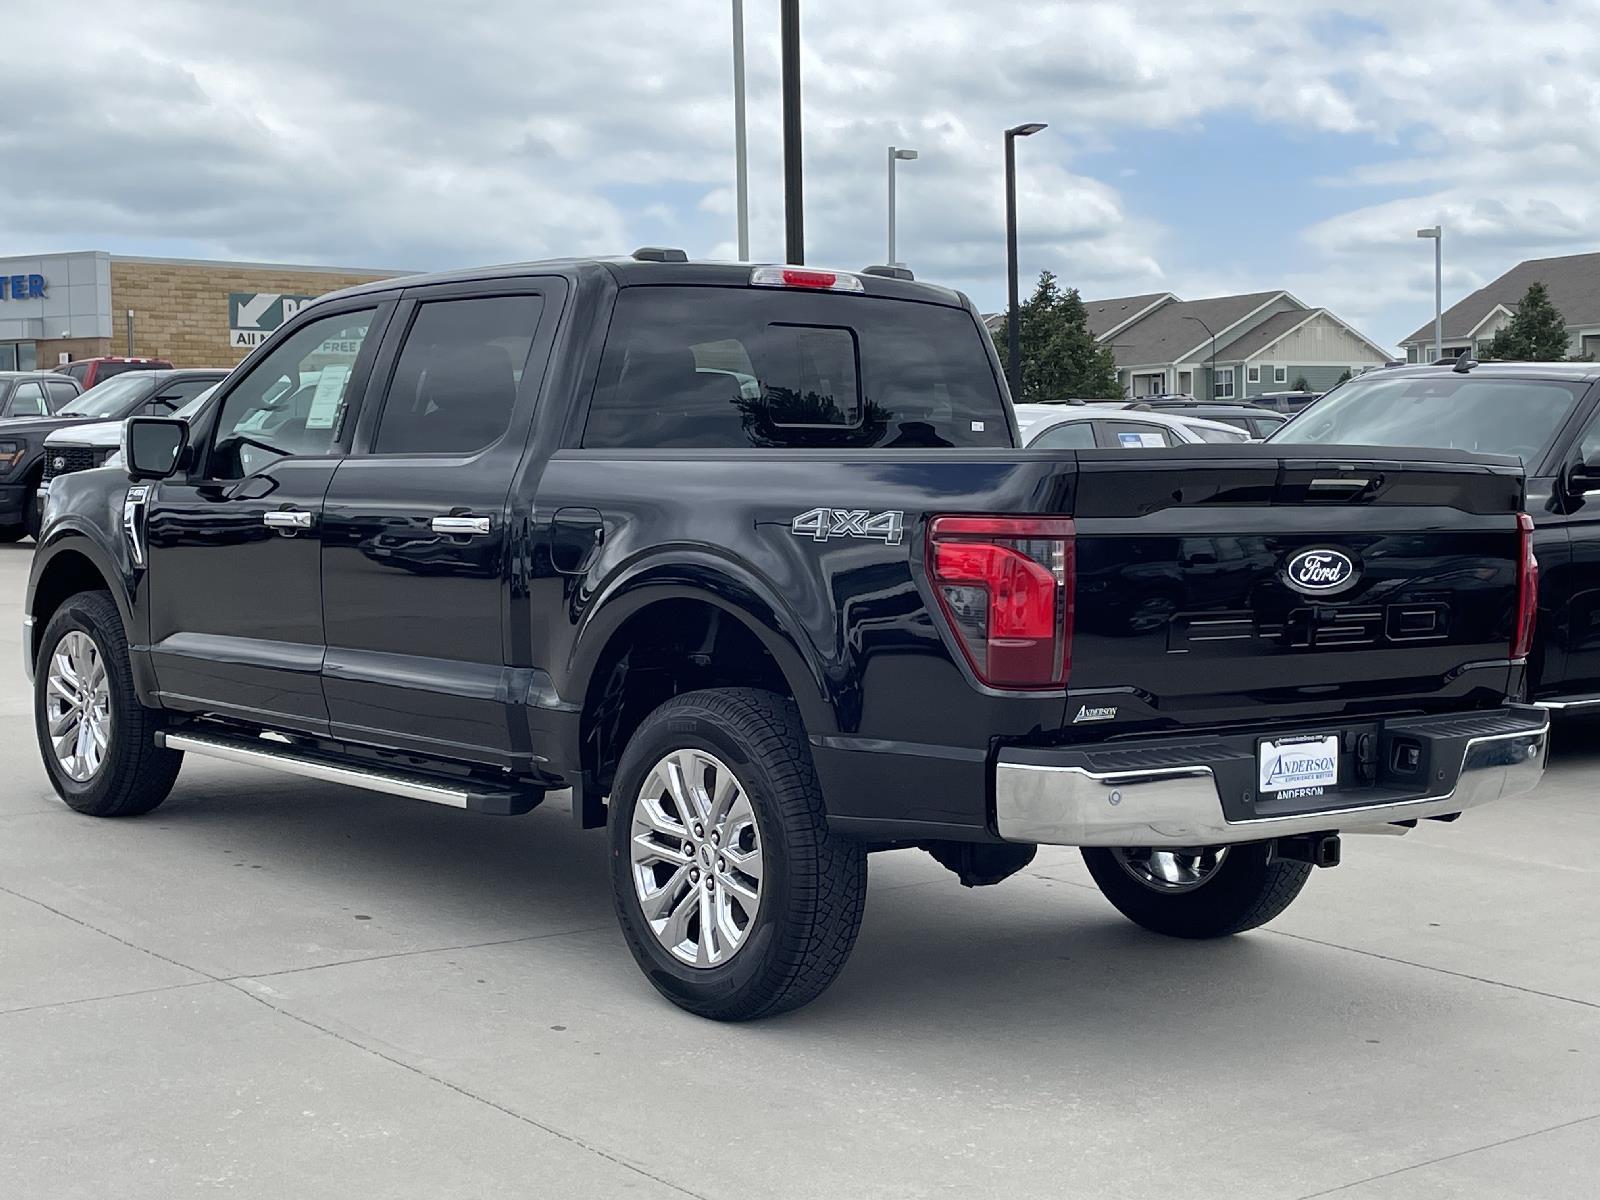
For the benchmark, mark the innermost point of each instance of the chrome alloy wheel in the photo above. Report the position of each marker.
(1172, 870)
(78, 706)
(696, 858)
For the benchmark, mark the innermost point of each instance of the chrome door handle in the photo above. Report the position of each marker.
(286, 519)
(469, 526)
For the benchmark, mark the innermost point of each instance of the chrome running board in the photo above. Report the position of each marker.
(253, 752)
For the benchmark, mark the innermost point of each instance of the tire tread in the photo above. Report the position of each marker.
(139, 773)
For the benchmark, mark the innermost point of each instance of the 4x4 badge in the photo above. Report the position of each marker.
(820, 524)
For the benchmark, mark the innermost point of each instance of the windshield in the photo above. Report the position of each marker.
(1445, 411)
(189, 409)
(110, 398)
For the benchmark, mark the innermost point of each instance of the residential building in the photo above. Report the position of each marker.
(1228, 347)
(1573, 282)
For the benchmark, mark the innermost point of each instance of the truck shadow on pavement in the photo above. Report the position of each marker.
(1043, 946)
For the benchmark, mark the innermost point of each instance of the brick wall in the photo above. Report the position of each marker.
(78, 348)
(180, 310)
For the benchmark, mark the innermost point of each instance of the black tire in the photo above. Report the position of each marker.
(1246, 891)
(12, 533)
(814, 882)
(135, 775)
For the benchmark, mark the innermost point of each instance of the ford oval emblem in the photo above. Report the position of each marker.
(1320, 570)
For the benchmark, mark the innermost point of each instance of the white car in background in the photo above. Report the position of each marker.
(97, 443)
(1099, 426)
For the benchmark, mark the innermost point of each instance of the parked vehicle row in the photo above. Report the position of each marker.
(24, 464)
(752, 561)
(1087, 426)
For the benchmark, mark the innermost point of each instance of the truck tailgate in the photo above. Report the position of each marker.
(1213, 581)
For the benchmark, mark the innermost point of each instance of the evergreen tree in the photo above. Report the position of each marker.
(1060, 358)
(1302, 384)
(1537, 332)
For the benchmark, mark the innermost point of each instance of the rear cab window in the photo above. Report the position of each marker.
(727, 367)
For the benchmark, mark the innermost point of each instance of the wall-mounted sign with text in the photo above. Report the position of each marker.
(253, 315)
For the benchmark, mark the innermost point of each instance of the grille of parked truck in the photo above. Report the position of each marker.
(750, 560)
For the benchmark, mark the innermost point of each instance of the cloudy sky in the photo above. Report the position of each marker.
(1202, 148)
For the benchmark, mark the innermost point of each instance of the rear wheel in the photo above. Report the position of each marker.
(735, 898)
(1196, 892)
(97, 740)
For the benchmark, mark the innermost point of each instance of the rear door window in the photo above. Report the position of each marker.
(1069, 435)
(724, 368)
(455, 384)
(60, 394)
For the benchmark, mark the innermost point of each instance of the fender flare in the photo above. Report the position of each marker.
(723, 583)
(71, 534)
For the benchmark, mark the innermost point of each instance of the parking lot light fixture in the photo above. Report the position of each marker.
(1436, 234)
(1013, 335)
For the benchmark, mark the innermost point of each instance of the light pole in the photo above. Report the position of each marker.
(741, 161)
(1013, 337)
(1437, 235)
(1207, 328)
(793, 188)
(904, 156)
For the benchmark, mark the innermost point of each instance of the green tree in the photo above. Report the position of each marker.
(1302, 384)
(1537, 332)
(1343, 378)
(1060, 358)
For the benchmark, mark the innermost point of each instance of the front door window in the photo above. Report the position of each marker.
(293, 402)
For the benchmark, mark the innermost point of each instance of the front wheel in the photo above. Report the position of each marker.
(734, 897)
(97, 740)
(1197, 892)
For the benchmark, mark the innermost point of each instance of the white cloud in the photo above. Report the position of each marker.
(432, 135)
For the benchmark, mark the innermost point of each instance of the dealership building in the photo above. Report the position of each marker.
(55, 308)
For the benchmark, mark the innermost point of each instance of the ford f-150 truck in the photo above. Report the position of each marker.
(748, 559)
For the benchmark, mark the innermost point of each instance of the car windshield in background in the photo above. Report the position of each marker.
(1221, 436)
(1444, 411)
(111, 397)
(189, 409)
(737, 367)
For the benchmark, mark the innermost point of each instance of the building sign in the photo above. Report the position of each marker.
(22, 287)
(253, 315)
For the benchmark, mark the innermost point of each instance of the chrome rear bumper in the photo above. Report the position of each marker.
(1180, 804)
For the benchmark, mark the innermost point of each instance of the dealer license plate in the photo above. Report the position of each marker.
(1299, 766)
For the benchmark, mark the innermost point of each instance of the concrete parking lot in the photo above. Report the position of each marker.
(282, 989)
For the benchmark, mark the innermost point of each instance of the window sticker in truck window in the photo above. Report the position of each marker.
(820, 524)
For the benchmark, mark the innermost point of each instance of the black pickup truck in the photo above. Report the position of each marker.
(747, 558)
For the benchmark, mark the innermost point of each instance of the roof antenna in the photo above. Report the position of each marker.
(1465, 362)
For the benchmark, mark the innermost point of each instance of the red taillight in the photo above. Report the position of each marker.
(1527, 589)
(1005, 585)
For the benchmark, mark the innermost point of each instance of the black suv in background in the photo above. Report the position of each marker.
(1546, 414)
(1258, 422)
(154, 393)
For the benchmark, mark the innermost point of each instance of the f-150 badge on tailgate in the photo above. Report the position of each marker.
(1320, 570)
(820, 524)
